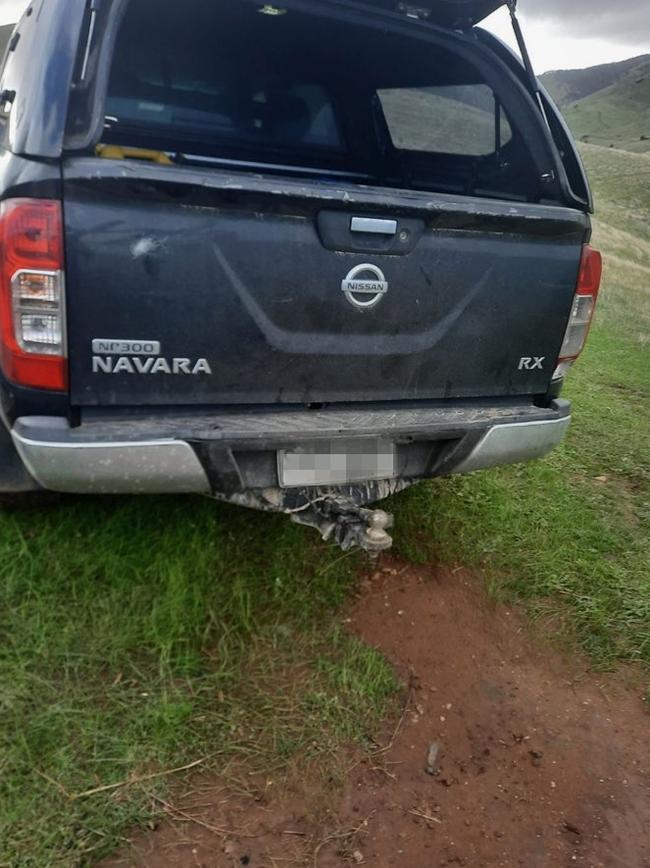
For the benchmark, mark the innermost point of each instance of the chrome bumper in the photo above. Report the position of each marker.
(60, 459)
(511, 444)
(146, 467)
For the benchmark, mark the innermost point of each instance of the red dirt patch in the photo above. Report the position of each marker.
(540, 764)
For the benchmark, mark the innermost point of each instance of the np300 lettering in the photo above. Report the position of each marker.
(125, 348)
(357, 266)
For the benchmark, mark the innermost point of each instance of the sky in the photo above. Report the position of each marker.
(572, 34)
(561, 34)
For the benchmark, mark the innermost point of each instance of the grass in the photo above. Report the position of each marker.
(137, 636)
(140, 634)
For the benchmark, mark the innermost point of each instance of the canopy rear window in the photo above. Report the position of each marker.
(283, 91)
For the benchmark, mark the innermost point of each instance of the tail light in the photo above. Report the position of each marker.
(582, 312)
(32, 295)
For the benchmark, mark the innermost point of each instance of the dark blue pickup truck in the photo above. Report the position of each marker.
(293, 255)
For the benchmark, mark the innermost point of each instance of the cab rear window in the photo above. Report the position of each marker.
(195, 93)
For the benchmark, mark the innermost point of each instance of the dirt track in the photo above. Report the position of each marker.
(539, 763)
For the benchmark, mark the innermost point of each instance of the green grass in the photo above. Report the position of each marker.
(143, 634)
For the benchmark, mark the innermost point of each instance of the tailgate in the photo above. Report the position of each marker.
(196, 287)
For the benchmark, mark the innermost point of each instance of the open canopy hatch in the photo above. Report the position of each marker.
(449, 13)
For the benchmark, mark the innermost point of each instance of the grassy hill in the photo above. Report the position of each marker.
(567, 86)
(606, 105)
(617, 116)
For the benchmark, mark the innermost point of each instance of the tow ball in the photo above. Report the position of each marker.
(341, 520)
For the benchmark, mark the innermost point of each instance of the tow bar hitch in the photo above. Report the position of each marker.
(344, 522)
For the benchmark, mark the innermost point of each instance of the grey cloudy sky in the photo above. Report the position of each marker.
(560, 33)
(566, 34)
(626, 20)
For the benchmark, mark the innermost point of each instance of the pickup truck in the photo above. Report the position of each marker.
(294, 255)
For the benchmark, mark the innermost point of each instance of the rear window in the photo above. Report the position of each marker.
(463, 119)
(288, 92)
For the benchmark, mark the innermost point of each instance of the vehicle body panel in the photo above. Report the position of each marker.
(240, 277)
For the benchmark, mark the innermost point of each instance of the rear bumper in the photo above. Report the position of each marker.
(235, 452)
(511, 444)
(146, 467)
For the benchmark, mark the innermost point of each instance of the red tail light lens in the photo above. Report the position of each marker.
(582, 312)
(32, 294)
(591, 272)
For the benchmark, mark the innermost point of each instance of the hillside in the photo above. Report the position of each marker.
(617, 116)
(570, 85)
(607, 105)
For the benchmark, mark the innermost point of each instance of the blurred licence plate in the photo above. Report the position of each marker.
(337, 462)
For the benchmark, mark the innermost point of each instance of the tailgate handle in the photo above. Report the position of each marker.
(373, 226)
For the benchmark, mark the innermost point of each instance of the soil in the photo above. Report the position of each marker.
(506, 754)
